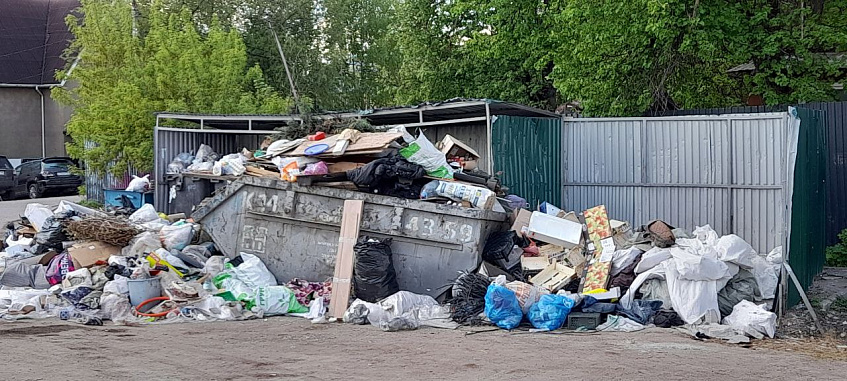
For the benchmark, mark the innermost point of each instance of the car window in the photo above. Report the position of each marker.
(56, 164)
(4, 163)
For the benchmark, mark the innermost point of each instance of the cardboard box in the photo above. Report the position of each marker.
(521, 220)
(451, 146)
(343, 166)
(555, 230)
(86, 254)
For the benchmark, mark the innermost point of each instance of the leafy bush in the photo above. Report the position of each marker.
(836, 255)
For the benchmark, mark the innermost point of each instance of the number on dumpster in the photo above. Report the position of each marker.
(254, 238)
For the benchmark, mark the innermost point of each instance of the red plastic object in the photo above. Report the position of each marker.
(156, 299)
(320, 135)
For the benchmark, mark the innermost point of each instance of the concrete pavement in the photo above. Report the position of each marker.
(11, 209)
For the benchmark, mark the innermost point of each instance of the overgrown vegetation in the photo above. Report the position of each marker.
(610, 58)
(836, 255)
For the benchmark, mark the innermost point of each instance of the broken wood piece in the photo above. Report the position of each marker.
(803, 295)
(351, 218)
(535, 263)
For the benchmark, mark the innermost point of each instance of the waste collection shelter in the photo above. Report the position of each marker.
(485, 125)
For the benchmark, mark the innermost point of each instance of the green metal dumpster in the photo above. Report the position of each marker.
(295, 231)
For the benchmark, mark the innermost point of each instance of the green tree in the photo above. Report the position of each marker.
(476, 49)
(121, 80)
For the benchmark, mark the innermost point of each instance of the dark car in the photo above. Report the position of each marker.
(49, 175)
(7, 177)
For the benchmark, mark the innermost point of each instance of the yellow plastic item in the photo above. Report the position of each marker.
(155, 259)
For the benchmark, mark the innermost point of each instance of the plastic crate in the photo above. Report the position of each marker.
(589, 320)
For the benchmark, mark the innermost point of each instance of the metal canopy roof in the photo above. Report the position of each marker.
(453, 111)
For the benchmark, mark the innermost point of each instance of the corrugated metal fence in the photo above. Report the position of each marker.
(96, 183)
(170, 142)
(726, 171)
(528, 155)
(836, 170)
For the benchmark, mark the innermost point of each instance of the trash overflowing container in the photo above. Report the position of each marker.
(295, 230)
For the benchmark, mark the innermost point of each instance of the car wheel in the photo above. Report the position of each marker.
(34, 191)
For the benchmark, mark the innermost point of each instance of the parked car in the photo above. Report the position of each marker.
(48, 175)
(7, 177)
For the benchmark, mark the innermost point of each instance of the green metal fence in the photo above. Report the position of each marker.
(527, 153)
(809, 203)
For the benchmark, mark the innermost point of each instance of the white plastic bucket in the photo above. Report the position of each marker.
(143, 289)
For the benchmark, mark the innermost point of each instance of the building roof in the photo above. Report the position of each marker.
(452, 111)
(33, 36)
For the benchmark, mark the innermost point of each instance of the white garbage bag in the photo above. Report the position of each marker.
(766, 277)
(253, 272)
(731, 248)
(691, 266)
(694, 300)
(37, 214)
(746, 315)
(651, 258)
(139, 184)
(145, 213)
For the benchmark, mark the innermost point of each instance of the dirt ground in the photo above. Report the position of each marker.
(293, 348)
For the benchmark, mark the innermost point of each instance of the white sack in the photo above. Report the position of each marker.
(747, 315)
(731, 248)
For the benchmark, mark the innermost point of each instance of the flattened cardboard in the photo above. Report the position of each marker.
(597, 222)
(597, 275)
(86, 254)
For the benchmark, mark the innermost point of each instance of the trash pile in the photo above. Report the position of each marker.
(557, 269)
(391, 163)
(551, 269)
(87, 266)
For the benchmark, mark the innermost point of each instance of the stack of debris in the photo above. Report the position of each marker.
(616, 278)
(392, 163)
(87, 266)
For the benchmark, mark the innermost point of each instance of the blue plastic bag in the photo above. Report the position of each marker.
(550, 312)
(501, 307)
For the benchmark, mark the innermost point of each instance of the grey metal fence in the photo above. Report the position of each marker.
(727, 171)
(836, 170)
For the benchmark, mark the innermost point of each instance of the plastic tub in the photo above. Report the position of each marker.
(143, 289)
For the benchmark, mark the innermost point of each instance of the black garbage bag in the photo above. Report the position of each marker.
(374, 277)
(52, 235)
(390, 176)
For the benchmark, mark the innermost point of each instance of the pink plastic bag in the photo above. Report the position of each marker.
(318, 168)
(59, 265)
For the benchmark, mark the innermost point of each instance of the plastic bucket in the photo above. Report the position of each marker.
(143, 289)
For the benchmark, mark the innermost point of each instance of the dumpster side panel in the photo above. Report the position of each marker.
(296, 234)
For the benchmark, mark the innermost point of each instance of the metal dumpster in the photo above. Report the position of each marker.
(295, 231)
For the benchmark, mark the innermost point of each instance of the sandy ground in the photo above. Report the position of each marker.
(292, 348)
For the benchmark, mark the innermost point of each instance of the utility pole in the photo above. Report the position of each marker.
(285, 64)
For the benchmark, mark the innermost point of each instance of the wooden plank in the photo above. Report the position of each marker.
(803, 296)
(342, 280)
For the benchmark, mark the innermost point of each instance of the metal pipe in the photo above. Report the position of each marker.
(490, 149)
(43, 137)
